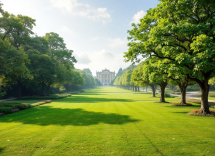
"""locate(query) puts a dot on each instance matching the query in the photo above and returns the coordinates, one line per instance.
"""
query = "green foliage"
(181, 35)
(12, 61)
(89, 80)
(212, 81)
(98, 83)
(10, 102)
(55, 96)
(119, 73)
(16, 105)
(167, 95)
(88, 71)
(6, 110)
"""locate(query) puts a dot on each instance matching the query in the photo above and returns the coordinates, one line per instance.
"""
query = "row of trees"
(148, 74)
(178, 39)
(34, 62)
(125, 81)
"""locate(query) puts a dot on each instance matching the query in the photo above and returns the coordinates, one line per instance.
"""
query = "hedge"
(6, 110)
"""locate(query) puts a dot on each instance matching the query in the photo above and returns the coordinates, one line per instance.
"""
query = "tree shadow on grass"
(85, 99)
(1, 149)
(181, 112)
(141, 93)
(90, 94)
(194, 106)
(46, 115)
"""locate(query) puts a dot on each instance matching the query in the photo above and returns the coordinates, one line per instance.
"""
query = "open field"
(107, 121)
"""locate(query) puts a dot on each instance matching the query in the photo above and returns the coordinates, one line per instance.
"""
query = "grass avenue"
(107, 121)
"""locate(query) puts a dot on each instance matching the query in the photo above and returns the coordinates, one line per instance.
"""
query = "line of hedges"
(55, 96)
(7, 107)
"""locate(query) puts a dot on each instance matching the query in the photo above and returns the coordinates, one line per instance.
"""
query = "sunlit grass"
(107, 121)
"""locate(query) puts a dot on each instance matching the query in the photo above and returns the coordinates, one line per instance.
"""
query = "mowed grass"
(107, 121)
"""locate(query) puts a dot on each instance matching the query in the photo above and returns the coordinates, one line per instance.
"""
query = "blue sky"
(95, 29)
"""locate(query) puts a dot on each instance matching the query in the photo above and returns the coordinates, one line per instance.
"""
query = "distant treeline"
(34, 65)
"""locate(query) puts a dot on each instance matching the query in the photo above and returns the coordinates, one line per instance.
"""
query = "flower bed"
(1, 114)
(198, 113)
(199, 101)
(194, 100)
(15, 110)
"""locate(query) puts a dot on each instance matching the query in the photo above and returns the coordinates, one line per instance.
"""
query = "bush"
(53, 96)
(22, 106)
(177, 90)
(10, 102)
(6, 110)
(39, 97)
(167, 95)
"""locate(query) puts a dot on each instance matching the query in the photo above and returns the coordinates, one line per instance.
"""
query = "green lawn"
(107, 121)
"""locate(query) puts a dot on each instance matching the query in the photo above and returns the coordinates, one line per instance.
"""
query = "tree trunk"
(204, 96)
(138, 88)
(58, 90)
(153, 89)
(43, 89)
(183, 93)
(66, 87)
(146, 88)
(163, 86)
(48, 91)
(133, 88)
(19, 89)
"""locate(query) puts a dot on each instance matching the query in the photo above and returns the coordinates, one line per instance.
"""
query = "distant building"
(105, 77)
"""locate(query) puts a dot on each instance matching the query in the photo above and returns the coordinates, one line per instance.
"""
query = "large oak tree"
(181, 31)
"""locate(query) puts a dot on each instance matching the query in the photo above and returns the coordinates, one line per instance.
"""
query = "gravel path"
(8, 99)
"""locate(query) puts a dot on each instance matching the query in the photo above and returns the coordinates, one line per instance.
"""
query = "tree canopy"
(38, 62)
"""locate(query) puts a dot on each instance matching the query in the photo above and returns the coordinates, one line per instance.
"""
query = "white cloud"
(117, 42)
(82, 59)
(138, 16)
(107, 54)
(94, 38)
(65, 29)
(83, 10)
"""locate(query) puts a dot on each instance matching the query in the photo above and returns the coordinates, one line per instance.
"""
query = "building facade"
(105, 77)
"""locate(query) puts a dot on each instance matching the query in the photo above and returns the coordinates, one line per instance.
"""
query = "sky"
(96, 30)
